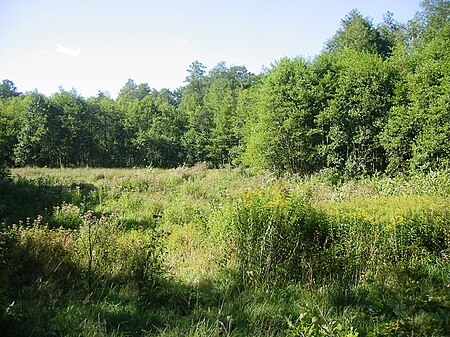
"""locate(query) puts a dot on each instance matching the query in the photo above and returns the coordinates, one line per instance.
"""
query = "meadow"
(194, 251)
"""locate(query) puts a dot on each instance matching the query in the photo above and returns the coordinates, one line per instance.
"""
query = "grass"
(200, 252)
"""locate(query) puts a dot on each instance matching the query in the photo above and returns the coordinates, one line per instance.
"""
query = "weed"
(200, 252)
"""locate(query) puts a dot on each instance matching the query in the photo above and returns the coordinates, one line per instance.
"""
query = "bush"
(373, 235)
(115, 254)
(4, 172)
(42, 253)
(67, 216)
(280, 237)
(47, 266)
(7, 240)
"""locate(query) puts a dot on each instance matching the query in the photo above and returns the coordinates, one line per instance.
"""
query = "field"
(203, 252)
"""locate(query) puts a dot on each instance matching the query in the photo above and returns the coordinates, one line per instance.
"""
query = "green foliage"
(153, 129)
(107, 128)
(429, 21)
(4, 172)
(131, 91)
(225, 87)
(370, 235)
(284, 134)
(8, 89)
(51, 266)
(314, 324)
(33, 145)
(279, 237)
(117, 255)
(67, 216)
(192, 251)
(196, 139)
(248, 108)
(12, 111)
(209, 106)
(221, 101)
(163, 254)
(375, 100)
(416, 134)
(356, 114)
(357, 33)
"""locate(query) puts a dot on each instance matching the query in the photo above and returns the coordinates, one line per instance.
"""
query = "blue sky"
(93, 45)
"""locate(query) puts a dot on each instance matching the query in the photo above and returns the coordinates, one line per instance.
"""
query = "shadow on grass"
(23, 200)
(43, 293)
(55, 305)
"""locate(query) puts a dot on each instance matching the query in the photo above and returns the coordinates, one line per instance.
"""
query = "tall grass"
(198, 252)
(367, 252)
(279, 236)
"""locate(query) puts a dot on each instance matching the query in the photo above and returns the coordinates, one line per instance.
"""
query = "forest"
(311, 199)
(375, 100)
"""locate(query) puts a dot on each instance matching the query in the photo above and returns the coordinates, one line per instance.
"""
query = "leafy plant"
(279, 236)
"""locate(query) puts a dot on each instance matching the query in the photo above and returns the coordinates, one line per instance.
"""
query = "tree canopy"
(376, 99)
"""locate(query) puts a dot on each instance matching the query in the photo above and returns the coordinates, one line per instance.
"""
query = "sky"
(97, 45)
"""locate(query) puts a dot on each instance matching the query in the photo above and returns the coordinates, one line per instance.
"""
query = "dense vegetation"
(205, 252)
(329, 215)
(375, 100)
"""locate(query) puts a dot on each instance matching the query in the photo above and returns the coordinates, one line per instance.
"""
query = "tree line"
(376, 99)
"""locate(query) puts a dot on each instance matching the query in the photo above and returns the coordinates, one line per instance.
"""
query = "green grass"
(199, 252)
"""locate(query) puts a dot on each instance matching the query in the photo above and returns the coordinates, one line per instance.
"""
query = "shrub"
(67, 216)
(4, 172)
(314, 324)
(7, 240)
(279, 236)
(42, 253)
(115, 254)
(372, 234)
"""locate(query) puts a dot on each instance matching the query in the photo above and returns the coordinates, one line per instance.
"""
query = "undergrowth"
(199, 252)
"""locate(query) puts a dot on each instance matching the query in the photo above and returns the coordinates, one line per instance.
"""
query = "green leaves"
(33, 145)
(324, 113)
(418, 131)
(357, 33)
(375, 100)
(279, 236)
(8, 89)
(356, 113)
(285, 118)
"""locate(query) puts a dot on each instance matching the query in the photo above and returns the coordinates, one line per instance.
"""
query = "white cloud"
(180, 42)
(67, 51)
